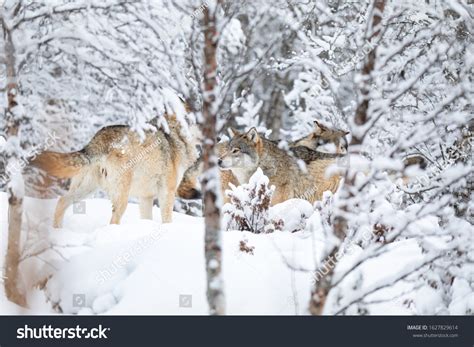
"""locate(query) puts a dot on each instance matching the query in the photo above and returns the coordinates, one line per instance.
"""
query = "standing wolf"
(307, 148)
(117, 161)
(247, 151)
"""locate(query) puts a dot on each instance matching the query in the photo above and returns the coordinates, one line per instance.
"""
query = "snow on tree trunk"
(323, 284)
(13, 288)
(210, 183)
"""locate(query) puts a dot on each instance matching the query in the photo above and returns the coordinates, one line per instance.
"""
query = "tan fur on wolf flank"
(119, 163)
(51, 161)
(246, 152)
(321, 136)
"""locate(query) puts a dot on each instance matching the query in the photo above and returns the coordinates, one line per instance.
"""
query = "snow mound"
(293, 212)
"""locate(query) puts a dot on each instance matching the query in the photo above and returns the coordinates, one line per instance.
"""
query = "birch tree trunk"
(212, 213)
(324, 284)
(13, 288)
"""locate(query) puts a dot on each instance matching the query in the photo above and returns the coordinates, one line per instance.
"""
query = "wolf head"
(325, 139)
(189, 188)
(243, 151)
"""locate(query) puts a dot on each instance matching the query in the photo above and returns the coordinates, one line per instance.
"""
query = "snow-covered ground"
(144, 267)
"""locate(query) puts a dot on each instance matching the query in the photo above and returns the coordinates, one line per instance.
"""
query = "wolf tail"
(60, 165)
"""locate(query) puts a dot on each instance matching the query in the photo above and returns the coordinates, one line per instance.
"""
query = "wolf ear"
(319, 128)
(252, 135)
(232, 132)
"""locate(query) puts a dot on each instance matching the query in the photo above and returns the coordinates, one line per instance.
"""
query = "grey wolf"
(323, 139)
(118, 161)
(246, 152)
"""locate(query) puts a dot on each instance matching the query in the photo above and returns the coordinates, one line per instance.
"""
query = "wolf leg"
(146, 207)
(118, 208)
(166, 196)
(81, 186)
(166, 199)
(119, 197)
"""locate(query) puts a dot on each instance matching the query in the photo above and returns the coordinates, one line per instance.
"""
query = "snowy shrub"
(249, 206)
(294, 214)
(325, 207)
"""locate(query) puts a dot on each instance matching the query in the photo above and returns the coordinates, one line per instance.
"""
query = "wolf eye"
(235, 150)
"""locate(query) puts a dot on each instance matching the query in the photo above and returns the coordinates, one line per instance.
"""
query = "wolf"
(323, 139)
(189, 186)
(122, 164)
(227, 177)
(310, 149)
(246, 152)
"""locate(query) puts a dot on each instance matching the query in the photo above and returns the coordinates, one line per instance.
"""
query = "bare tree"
(13, 287)
(212, 210)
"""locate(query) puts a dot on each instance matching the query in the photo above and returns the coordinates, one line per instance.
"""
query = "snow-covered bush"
(294, 213)
(249, 206)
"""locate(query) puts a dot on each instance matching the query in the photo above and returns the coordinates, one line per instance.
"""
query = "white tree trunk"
(212, 213)
(12, 282)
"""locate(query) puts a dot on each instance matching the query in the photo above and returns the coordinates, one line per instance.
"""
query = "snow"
(277, 71)
(428, 301)
(233, 37)
(105, 264)
(463, 296)
(143, 266)
(293, 212)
